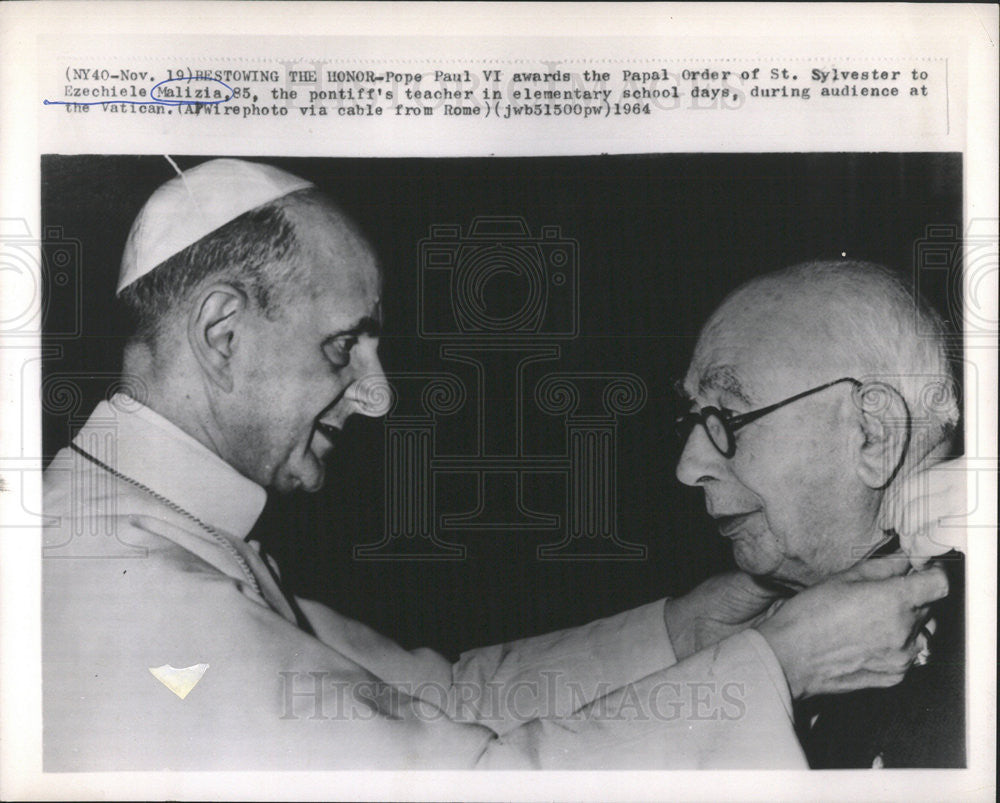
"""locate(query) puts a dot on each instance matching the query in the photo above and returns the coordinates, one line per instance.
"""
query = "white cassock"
(132, 584)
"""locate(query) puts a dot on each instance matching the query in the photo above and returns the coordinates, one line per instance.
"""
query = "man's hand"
(716, 609)
(856, 630)
(918, 506)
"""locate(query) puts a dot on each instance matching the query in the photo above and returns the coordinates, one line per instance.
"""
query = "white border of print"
(33, 35)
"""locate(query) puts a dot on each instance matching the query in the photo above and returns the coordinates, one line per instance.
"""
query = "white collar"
(158, 454)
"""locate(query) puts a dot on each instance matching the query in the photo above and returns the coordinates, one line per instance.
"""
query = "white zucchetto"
(196, 203)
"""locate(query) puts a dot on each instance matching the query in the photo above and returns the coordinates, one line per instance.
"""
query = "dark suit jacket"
(918, 723)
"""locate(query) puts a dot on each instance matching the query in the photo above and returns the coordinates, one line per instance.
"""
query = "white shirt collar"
(151, 450)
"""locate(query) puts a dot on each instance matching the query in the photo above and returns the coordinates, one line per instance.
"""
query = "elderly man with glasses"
(814, 395)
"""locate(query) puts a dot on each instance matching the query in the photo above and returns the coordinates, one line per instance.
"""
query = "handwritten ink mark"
(168, 101)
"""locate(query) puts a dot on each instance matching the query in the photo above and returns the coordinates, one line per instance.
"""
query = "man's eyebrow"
(368, 325)
(724, 379)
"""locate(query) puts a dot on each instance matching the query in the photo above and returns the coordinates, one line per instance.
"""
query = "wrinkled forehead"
(758, 346)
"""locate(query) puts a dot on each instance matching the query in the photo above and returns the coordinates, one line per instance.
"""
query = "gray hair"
(893, 336)
(258, 252)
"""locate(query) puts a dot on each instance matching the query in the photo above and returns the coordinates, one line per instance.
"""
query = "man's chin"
(767, 569)
(308, 478)
(750, 560)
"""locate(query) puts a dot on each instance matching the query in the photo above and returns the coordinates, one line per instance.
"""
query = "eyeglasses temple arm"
(738, 421)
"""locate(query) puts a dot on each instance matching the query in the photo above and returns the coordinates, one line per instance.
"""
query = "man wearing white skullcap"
(169, 643)
(195, 204)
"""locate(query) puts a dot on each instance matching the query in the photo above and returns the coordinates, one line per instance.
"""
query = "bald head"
(821, 320)
(331, 244)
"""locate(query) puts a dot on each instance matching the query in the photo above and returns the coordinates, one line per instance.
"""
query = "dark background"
(662, 239)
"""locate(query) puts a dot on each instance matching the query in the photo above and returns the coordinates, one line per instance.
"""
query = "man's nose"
(370, 393)
(700, 461)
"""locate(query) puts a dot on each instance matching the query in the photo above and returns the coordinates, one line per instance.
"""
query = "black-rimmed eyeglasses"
(722, 429)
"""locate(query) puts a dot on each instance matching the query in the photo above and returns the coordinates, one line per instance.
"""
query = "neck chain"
(225, 542)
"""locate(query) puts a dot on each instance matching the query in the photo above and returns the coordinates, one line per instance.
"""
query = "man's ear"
(212, 329)
(884, 418)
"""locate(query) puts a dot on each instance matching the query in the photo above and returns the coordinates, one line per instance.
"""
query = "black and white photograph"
(498, 401)
(391, 463)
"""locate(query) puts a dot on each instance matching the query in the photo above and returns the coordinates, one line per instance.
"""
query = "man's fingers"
(920, 551)
(926, 586)
(923, 626)
(924, 510)
(743, 589)
(864, 679)
(892, 565)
